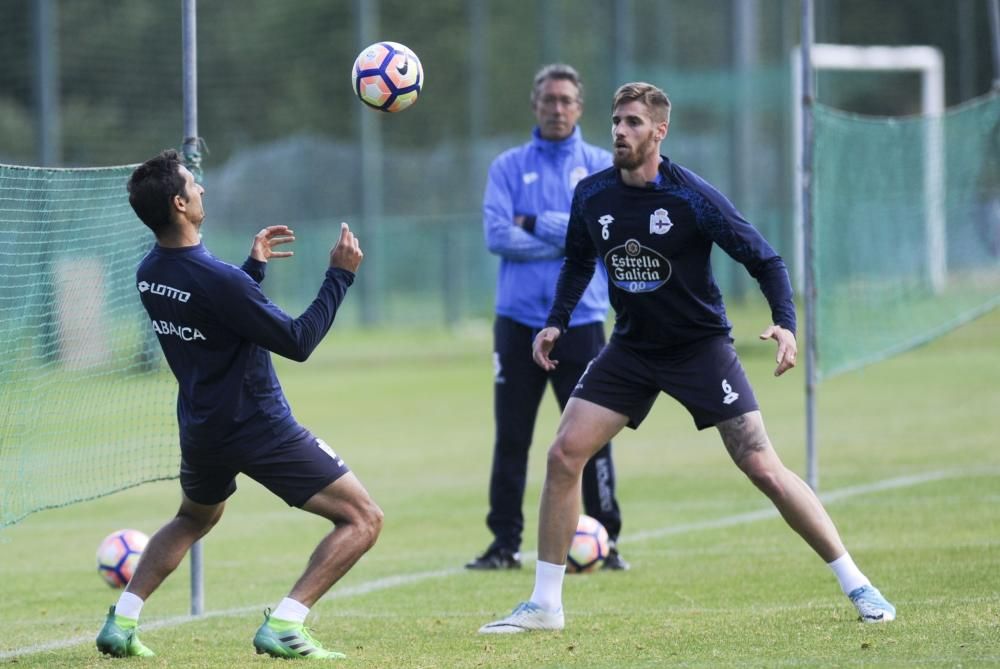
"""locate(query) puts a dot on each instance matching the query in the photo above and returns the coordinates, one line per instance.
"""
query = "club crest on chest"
(659, 222)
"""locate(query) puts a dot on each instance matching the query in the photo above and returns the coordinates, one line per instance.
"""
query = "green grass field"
(909, 465)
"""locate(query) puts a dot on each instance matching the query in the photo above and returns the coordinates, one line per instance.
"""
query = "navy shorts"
(706, 377)
(294, 470)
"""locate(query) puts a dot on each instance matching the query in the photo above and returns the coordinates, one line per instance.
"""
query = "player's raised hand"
(544, 341)
(787, 347)
(269, 237)
(346, 254)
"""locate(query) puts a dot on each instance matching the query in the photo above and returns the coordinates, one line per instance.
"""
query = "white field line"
(771, 512)
(408, 579)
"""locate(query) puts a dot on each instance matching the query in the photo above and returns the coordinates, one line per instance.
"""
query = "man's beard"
(635, 158)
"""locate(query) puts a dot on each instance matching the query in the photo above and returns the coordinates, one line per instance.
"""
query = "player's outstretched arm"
(545, 340)
(346, 253)
(787, 348)
(259, 320)
(264, 242)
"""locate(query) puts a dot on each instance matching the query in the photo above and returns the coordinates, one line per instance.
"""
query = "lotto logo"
(165, 291)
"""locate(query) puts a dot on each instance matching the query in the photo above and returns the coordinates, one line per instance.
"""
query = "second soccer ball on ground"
(118, 555)
(589, 547)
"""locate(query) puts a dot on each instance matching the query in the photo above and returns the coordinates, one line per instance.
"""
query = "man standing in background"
(525, 214)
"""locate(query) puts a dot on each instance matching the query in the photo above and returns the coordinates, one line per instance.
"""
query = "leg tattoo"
(743, 436)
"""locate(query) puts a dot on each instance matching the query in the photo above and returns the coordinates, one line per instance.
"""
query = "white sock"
(848, 574)
(548, 585)
(129, 606)
(291, 611)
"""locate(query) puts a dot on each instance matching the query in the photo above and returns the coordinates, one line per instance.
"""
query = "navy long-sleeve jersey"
(216, 328)
(655, 243)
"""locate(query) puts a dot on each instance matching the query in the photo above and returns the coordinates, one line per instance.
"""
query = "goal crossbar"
(929, 63)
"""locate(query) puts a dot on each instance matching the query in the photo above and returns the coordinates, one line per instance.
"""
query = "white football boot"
(526, 617)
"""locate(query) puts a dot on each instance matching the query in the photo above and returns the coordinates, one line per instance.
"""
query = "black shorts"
(294, 470)
(706, 377)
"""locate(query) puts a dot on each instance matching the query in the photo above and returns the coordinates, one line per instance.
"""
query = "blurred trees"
(270, 69)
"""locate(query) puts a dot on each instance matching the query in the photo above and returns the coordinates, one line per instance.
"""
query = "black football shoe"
(614, 561)
(496, 557)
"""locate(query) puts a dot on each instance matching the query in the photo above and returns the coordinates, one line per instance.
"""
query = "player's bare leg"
(357, 523)
(585, 427)
(165, 550)
(750, 448)
(171, 543)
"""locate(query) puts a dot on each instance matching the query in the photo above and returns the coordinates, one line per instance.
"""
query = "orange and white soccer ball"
(118, 555)
(387, 76)
(589, 547)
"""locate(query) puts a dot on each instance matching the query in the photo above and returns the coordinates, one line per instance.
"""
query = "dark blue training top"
(216, 328)
(655, 243)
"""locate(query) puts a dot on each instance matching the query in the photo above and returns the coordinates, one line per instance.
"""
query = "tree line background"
(98, 82)
(270, 69)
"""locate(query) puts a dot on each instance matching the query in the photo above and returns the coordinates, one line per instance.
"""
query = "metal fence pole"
(995, 40)
(48, 126)
(370, 130)
(189, 45)
(809, 269)
(193, 160)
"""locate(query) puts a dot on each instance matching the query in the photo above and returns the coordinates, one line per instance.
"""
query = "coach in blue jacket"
(525, 213)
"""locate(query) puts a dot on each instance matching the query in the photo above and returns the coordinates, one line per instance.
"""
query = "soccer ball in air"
(387, 76)
(118, 555)
(589, 547)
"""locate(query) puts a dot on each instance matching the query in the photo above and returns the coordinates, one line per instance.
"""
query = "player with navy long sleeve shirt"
(652, 224)
(654, 243)
(217, 330)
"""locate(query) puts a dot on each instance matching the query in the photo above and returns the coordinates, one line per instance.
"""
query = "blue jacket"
(538, 179)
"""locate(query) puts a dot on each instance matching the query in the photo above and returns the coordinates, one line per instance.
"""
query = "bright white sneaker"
(871, 605)
(526, 617)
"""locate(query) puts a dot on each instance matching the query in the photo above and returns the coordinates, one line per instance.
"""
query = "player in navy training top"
(652, 224)
(216, 329)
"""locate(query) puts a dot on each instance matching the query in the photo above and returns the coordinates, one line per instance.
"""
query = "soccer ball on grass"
(589, 547)
(387, 76)
(118, 555)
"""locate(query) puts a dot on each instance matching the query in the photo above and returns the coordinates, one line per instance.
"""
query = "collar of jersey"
(561, 145)
(180, 249)
(662, 179)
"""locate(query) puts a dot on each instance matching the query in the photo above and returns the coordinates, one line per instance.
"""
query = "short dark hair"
(152, 187)
(557, 71)
(652, 97)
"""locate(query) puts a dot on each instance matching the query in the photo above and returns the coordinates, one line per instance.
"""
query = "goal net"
(86, 407)
(880, 291)
(906, 214)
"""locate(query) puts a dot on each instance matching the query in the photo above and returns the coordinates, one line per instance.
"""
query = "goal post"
(897, 235)
(807, 59)
(929, 63)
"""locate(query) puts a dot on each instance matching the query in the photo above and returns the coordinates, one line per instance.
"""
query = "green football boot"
(120, 638)
(280, 638)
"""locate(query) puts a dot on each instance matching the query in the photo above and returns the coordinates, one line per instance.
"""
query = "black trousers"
(518, 387)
